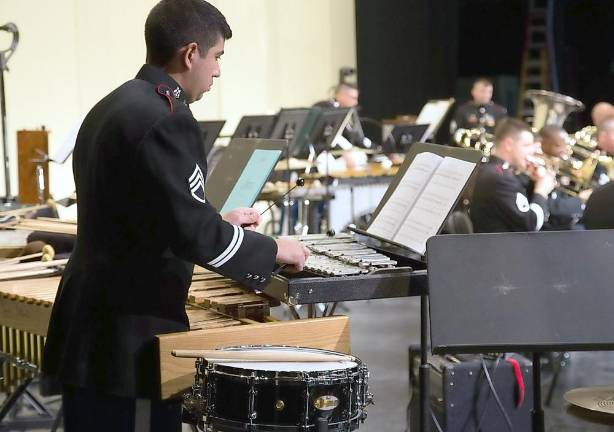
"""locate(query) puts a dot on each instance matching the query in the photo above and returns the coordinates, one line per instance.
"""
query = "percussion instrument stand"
(22, 391)
(5, 55)
(425, 368)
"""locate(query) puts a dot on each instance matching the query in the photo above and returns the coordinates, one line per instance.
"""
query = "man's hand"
(291, 253)
(248, 218)
(545, 180)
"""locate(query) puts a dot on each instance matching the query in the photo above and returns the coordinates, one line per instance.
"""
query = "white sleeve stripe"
(232, 243)
(196, 180)
(234, 250)
(539, 212)
(195, 173)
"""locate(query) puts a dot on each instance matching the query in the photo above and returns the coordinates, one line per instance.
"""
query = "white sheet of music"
(434, 204)
(400, 203)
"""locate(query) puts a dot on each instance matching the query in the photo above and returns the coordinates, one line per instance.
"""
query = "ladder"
(534, 70)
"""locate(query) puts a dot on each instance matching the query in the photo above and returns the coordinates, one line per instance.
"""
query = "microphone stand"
(5, 55)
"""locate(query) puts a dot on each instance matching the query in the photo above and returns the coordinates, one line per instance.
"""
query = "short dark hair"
(172, 24)
(509, 127)
(345, 85)
(482, 80)
(550, 132)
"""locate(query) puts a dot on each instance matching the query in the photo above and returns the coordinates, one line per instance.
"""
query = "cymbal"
(598, 398)
(589, 416)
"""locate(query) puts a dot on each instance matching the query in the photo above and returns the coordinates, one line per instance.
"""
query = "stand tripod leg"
(556, 370)
(537, 413)
(58, 419)
(424, 376)
(36, 404)
(13, 398)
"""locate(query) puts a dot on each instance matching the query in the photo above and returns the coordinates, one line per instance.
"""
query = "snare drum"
(281, 396)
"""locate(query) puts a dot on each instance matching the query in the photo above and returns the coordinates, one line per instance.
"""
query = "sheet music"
(434, 204)
(253, 177)
(432, 113)
(400, 203)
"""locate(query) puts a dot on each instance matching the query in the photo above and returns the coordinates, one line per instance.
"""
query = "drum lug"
(252, 414)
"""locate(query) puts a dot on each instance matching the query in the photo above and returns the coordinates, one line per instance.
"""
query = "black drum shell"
(230, 388)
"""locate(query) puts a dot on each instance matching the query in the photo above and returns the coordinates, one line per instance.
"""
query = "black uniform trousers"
(93, 411)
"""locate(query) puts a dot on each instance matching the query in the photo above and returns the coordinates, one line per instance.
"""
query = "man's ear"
(506, 143)
(188, 53)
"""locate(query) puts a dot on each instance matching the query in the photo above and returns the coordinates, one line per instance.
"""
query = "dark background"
(410, 51)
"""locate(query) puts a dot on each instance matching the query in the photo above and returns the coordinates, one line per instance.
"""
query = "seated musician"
(345, 96)
(565, 210)
(480, 111)
(599, 212)
(601, 111)
(605, 143)
(139, 168)
(504, 199)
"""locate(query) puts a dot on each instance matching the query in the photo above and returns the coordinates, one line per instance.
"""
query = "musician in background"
(346, 96)
(601, 111)
(565, 210)
(605, 143)
(139, 168)
(503, 199)
(599, 213)
(481, 111)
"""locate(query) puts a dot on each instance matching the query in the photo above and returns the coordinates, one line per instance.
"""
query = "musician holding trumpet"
(504, 199)
(140, 168)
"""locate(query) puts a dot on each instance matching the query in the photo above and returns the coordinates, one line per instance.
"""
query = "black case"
(460, 393)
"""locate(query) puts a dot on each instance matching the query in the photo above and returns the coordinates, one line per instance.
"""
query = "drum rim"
(308, 377)
(219, 367)
(222, 421)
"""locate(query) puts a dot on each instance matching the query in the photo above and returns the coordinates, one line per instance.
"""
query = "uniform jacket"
(599, 213)
(471, 115)
(139, 167)
(502, 201)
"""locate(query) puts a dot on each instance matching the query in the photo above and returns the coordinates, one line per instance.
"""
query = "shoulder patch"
(522, 203)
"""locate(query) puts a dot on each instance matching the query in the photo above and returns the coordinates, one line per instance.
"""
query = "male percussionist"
(139, 168)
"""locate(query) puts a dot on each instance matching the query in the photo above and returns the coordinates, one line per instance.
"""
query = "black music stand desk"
(528, 292)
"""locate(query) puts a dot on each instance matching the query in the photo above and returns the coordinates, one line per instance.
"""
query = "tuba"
(550, 108)
(574, 172)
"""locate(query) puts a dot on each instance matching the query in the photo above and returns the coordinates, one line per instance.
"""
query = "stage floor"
(382, 331)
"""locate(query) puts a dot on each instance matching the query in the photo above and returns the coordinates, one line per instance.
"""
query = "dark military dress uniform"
(502, 200)
(599, 213)
(565, 211)
(471, 115)
(139, 167)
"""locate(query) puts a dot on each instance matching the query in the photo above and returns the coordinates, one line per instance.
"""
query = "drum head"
(290, 366)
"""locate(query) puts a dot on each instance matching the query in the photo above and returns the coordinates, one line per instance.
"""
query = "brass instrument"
(476, 138)
(574, 171)
(550, 108)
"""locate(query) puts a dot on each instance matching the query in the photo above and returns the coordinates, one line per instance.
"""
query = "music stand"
(330, 127)
(521, 292)
(210, 130)
(258, 126)
(294, 125)
(406, 135)
(240, 174)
